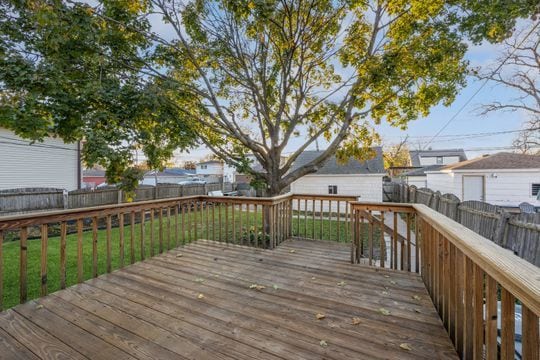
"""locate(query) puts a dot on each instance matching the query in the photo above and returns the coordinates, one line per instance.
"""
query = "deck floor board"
(195, 302)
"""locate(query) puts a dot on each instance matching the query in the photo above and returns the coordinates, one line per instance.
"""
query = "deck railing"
(44, 252)
(467, 276)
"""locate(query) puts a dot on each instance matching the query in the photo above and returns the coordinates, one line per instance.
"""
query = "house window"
(204, 166)
(332, 189)
(439, 160)
(535, 188)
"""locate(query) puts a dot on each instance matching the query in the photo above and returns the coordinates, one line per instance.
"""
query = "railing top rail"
(387, 206)
(515, 274)
(326, 197)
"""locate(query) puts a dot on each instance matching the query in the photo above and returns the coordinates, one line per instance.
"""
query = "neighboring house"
(93, 177)
(504, 179)
(51, 163)
(421, 158)
(167, 176)
(363, 179)
(418, 177)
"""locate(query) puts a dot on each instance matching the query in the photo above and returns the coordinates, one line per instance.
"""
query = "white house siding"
(502, 187)
(367, 187)
(210, 169)
(52, 163)
(432, 160)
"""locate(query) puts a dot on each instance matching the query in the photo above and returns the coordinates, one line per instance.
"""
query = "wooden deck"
(201, 302)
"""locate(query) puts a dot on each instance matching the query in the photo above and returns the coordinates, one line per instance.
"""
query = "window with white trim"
(332, 189)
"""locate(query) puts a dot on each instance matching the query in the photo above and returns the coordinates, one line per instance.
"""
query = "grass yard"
(244, 223)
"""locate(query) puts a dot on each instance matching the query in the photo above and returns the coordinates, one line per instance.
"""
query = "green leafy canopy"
(244, 77)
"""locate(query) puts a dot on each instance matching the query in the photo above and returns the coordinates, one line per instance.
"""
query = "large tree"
(518, 69)
(245, 76)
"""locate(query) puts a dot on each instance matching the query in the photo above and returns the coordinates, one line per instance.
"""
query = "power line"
(482, 86)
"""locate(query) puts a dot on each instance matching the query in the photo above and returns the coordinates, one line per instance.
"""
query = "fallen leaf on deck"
(313, 278)
(386, 276)
(417, 311)
(385, 293)
(179, 255)
(199, 280)
(416, 297)
(201, 296)
(405, 346)
(323, 343)
(257, 287)
(341, 283)
(383, 311)
(392, 282)
(292, 251)
(275, 287)
(39, 306)
(320, 316)
(356, 321)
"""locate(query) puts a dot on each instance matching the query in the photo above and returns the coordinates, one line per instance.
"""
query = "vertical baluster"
(183, 211)
(189, 220)
(176, 226)
(370, 238)
(23, 265)
(408, 251)
(44, 247)
(529, 330)
(305, 218)
(394, 243)
(313, 218)
(226, 222)
(132, 237)
(195, 219)
(79, 250)
(63, 235)
(508, 325)
(329, 219)
(143, 221)
(297, 217)
(220, 220)
(446, 281)
(207, 221)
(460, 309)
(478, 306)
(152, 232)
(417, 244)
(321, 220)
(168, 247)
(453, 294)
(491, 319)
(258, 242)
(338, 237)
(108, 243)
(469, 309)
(214, 221)
(440, 273)
(1, 270)
(271, 224)
(240, 216)
(160, 234)
(383, 242)
(121, 239)
(95, 247)
(234, 223)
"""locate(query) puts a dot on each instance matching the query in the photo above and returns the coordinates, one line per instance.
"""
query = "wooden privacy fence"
(467, 276)
(85, 242)
(517, 232)
(42, 199)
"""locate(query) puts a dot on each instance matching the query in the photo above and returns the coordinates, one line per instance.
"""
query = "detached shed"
(503, 179)
(364, 179)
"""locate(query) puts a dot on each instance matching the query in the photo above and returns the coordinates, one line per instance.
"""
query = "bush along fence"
(17, 201)
(519, 233)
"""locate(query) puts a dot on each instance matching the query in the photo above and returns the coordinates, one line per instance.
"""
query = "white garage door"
(473, 188)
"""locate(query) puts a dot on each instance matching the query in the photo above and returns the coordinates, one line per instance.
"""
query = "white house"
(421, 158)
(430, 160)
(504, 179)
(51, 163)
(363, 179)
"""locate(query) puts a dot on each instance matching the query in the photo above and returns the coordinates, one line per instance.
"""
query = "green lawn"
(244, 223)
